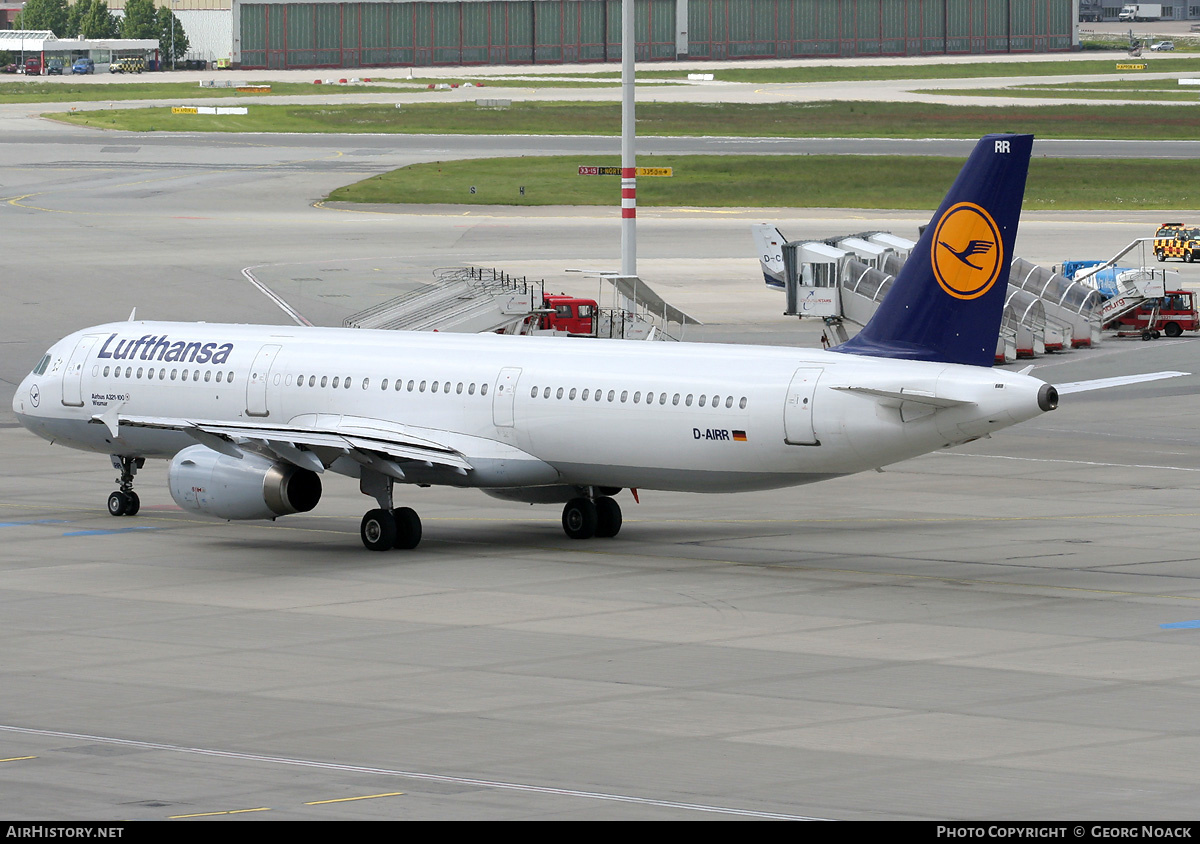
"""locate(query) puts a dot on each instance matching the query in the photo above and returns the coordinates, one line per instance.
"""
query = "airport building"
(284, 34)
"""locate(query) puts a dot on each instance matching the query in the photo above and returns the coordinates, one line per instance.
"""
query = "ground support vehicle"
(1140, 12)
(1177, 240)
(127, 65)
(560, 312)
(1171, 314)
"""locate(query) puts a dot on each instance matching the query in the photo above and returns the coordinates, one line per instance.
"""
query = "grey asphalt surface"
(973, 634)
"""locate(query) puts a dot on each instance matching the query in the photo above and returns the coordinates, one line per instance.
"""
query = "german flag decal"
(739, 436)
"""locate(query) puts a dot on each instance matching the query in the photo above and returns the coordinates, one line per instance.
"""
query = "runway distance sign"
(616, 171)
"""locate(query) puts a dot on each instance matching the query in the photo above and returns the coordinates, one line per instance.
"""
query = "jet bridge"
(813, 287)
(1030, 317)
(1067, 302)
(845, 278)
(863, 288)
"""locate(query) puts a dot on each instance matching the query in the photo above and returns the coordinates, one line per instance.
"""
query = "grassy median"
(901, 182)
(782, 120)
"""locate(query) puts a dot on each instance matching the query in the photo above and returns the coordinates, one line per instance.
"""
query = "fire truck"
(1170, 314)
(1177, 240)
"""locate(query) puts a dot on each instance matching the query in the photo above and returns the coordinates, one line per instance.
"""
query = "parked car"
(83, 66)
(54, 67)
(1162, 46)
(33, 66)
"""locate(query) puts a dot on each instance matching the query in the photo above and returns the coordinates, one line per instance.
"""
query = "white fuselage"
(680, 416)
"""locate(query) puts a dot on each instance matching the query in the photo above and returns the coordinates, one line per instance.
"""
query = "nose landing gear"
(125, 502)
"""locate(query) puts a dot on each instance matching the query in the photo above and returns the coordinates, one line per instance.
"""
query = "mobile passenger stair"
(472, 300)
(463, 300)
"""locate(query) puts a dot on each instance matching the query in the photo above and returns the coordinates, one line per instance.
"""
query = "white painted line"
(296, 316)
(414, 775)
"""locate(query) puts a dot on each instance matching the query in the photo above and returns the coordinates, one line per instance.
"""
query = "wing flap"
(293, 443)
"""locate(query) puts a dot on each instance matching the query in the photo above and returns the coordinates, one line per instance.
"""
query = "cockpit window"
(40, 369)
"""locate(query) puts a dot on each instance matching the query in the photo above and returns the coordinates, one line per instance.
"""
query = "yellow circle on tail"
(967, 251)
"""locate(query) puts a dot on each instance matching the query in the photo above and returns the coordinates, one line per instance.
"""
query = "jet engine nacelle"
(204, 481)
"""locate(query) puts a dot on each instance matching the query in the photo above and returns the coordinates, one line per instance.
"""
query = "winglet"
(132, 315)
(947, 301)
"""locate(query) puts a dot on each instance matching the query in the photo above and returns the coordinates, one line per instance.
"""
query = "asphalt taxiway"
(1007, 630)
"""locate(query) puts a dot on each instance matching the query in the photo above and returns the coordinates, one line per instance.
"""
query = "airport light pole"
(628, 156)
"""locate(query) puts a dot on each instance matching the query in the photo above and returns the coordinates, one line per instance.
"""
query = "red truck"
(1171, 314)
(560, 312)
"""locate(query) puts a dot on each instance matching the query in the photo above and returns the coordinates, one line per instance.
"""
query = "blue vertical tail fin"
(947, 301)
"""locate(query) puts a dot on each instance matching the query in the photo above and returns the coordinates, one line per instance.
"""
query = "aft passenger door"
(798, 408)
(256, 384)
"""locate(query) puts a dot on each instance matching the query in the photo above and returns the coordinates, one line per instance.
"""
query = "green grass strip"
(784, 120)
(810, 181)
(886, 72)
(185, 92)
(28, 91)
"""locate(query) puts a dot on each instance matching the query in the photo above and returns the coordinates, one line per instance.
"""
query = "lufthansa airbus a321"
(251, 416)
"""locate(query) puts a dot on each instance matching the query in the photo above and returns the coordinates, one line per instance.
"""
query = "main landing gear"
(125, 502)
(386, 527)
(584, 518)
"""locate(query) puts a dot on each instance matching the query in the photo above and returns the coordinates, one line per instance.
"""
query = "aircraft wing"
(316, 441)
(1118, 381)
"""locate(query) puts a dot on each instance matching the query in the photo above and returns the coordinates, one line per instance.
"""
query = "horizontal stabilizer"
(902, 395)
(1118, 381)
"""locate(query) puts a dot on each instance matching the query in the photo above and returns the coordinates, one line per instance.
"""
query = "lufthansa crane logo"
(967, 251)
